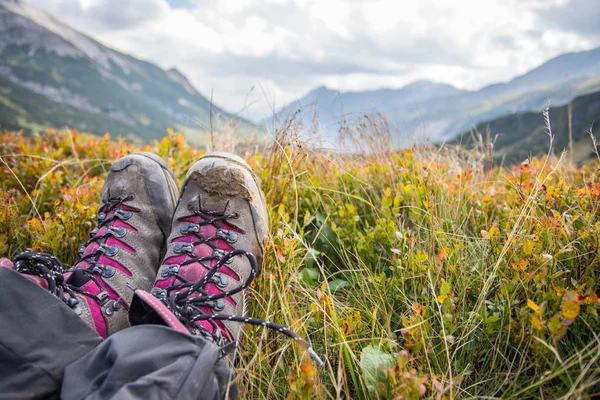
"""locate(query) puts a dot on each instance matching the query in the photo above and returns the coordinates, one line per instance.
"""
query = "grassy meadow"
(424, 273)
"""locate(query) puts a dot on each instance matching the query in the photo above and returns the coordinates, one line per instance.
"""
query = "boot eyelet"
(109, 272)
(218, 253)
(219, 305)
(183, 248)
(169, 270)
(220, 280)
(102, 298)
(160, 294)
(187, 228)
(93, 232)
(109, 251)
(97, 268)
(118, 232)
(235, 215)
(101, 216)
(223, 281)
(111, 307)
(232, 237)
(123, 215)
(112, 251)
(229, 236)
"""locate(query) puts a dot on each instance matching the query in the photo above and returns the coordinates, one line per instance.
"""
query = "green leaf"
(337, 284)
(578, 224)
(554, 324)
(528, 248)
(445, 290)
(374, 363)
(556, 328)
(309, 276)
(386, 202)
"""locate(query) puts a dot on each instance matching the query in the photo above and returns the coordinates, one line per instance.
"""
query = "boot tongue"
(214, 203)
(218, 206)
(78, 278)
(145, 308)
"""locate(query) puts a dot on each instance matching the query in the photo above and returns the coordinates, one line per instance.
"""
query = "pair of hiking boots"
(160, 256)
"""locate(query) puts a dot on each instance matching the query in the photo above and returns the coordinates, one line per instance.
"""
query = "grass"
(421, 273)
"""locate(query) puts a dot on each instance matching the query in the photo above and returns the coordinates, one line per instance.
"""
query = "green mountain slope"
(51, 75)
(520, 135)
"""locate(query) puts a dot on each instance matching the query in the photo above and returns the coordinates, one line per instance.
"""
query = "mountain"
(441, 112)
(54, 76)
(367, 101)
(330, 108)
(520, 135)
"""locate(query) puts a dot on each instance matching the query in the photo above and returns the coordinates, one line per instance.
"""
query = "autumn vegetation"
(424, 273)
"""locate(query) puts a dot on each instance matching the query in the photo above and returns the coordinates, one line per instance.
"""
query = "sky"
(255, 56)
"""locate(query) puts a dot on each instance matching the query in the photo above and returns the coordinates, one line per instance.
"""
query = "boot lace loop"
(48, 267)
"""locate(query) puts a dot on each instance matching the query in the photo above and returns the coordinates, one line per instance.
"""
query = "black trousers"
(48, 352)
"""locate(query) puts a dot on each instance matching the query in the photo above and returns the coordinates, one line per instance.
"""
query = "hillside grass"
(421, 273)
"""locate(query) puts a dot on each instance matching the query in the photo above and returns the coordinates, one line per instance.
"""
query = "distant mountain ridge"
(332, 107)
(518, 136)
(441, 112)
(52, 75)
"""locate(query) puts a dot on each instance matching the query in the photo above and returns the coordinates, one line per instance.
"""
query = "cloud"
(505, 41)
(104, 15)
(112, 14)
(278, 67)
(577, 16)
(285, 48)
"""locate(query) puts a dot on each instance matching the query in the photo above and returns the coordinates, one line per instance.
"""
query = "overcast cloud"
(266, 53)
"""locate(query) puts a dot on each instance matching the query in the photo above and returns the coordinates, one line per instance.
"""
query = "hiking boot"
(124, 250)
(215, 247)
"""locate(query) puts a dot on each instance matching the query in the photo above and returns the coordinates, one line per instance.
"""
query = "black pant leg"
(39, 337)
(47, 351)
(148, 362)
